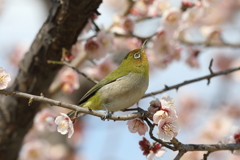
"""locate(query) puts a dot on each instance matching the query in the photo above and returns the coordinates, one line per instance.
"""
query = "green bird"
(121, 88)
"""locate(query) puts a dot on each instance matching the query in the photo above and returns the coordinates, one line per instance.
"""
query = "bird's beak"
(144, 45)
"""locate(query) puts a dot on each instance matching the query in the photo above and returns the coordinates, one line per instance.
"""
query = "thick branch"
(65, 21)
(207, 77)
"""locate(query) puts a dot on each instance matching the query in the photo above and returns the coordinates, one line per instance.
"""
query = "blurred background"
(206, 112)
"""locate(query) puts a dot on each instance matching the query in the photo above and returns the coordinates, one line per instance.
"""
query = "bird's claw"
(108, 114)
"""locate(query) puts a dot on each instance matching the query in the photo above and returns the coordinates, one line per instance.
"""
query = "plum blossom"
(34, 150)
(171, 18)
(140, 8)
(70, 81)
(102, 70)
(192, 57)
(4, 78)
(167, 128)
(106, 39)
(65, 125)
(155, 106)
(44, 119)
(158, 7)
(133, 43)
(94, 49)
(137, 125)
(127, 23)
(233, 138)
(151, 151)
(164, 113)
(164, 49)
(165, 105)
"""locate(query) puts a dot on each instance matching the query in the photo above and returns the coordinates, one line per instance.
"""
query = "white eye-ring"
(137, 55)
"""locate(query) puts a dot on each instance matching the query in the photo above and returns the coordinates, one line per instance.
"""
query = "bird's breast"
(124, 92)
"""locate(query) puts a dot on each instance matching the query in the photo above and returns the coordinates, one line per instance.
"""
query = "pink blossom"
(164, 49)
(137, 125)
(133, 43)
(58, 152)
(4, 78)
(127, 23)
(106, 39)
(155, 106)
(212, 34)
(167, 128)
(153, 155)
(192, 58)
(34, 150)
(162, 108)
(70, 80)
(140, 8)
(102, 70)
(171, 18)
(44, 119)
(151, 151)
(158, 7)
(168, 99)
(65, 125)
(95, 49)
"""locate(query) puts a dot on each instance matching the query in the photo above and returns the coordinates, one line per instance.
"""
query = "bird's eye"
(137, 55)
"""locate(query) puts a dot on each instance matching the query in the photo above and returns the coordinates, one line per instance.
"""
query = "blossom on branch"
(171, 18)
(106, 39)
(70, 81)
(151, 151)
(168, 128)
(65, 125)
(94, 49)
(4, 78)
(233, 138)
(137, 125)
(34, 150)
(44, 120)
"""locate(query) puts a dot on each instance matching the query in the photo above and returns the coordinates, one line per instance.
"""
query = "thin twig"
(75, 69)
(97, 29)
(205, 156)
(207, 77)
(72, 107)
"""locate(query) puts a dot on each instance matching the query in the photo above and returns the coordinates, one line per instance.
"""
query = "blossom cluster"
(165, 117)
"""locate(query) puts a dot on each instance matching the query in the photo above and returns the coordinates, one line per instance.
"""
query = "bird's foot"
(108, 114)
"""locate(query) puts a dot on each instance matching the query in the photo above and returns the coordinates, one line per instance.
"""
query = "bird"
(121, 88)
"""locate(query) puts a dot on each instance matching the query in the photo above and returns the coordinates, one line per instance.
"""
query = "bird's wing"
(113, 76)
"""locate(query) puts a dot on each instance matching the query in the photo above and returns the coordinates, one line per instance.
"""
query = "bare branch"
(75, 69)
(73, 107)
(180, 154)
(207, 77)
(205, 156)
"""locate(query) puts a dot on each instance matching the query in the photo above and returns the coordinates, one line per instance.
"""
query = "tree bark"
(65, 21)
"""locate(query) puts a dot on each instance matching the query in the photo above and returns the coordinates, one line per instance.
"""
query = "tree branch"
(64, 23)
(207, 77)
(33, 98)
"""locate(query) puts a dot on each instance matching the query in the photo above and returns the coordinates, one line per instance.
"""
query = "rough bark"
(65, 21)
